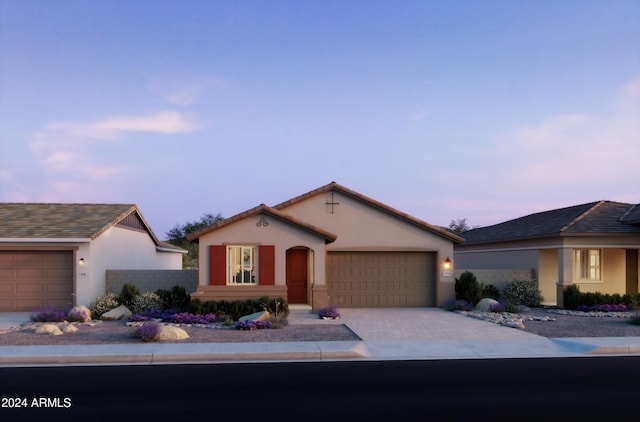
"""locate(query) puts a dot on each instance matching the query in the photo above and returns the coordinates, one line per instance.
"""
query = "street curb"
(180, 353)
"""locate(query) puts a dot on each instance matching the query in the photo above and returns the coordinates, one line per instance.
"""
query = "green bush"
(177, 298)
(468, 289)
(145, 302)
(571, 297)
(491, 291)
(103, 304)
(523, 292)
(128, 292)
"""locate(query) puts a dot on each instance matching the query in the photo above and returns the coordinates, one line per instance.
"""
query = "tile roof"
(63, 221)
(602, 217)
(333, 186)
(264, 209)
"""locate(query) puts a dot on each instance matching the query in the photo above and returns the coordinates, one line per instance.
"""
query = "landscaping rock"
(50, 329)
(116, 314)
(485, 304)
(79, 313)
(170, 332)
(258, 316)
(69, 329)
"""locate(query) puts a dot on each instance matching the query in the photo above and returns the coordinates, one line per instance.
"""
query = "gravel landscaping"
(543, 322)
(117, 332)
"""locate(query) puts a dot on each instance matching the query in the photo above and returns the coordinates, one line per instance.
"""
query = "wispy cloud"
(67, 151)
(163, 122)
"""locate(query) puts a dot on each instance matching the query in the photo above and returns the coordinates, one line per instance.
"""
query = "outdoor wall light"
(81, 261)
(447, 263)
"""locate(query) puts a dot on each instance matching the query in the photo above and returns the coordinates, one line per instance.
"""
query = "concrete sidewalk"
(387, 334)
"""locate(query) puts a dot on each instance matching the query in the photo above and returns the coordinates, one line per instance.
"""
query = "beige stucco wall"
(548, 275)
(278, 233)
(361, 227)
(117, 248)
(613, 274)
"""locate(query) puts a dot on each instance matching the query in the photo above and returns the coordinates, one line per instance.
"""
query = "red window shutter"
(218, 265)
(267, 265)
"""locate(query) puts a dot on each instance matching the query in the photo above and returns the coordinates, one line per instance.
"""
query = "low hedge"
(574, 298)
(238, 308)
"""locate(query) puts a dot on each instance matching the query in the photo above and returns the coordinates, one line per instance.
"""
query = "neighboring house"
(57, 254)
(329, 246)
(593, 245)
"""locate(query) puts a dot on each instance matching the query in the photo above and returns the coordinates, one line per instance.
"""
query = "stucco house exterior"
(331, 245)
(57, 254)
(593, 245)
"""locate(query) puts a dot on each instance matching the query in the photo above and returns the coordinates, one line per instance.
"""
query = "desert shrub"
(177, 298)
(127, 294)
(523, 292)
(457, 305)
(103, 304)
(491, 291)
(48, 314)
(145, 302)
(277, 307)
(148, 331)
(468, 289)
(635, 320)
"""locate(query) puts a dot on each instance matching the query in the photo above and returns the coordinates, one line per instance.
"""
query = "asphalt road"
(594, 388)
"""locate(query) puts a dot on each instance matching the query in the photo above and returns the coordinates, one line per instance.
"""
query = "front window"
(588, 264)
(241, 264)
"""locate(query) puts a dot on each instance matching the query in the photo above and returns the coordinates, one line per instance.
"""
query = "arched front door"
(297, 273)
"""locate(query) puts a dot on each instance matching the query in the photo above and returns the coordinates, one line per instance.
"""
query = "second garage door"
(35, 279)
(381, 279)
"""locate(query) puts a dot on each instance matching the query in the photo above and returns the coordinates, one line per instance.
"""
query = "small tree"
(177, 236)
(468, 288)
(460, 225)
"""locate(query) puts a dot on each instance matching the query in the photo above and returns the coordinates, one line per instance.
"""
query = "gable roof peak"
(334, 186)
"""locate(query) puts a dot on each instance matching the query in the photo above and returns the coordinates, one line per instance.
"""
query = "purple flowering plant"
(173, 317)
(603, 308)
(454, 304)
(149, 331)
(252, 325)
(329, 312)
(48, 314)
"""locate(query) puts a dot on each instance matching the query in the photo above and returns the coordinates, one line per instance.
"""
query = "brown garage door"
(381, 279)
(33, 279)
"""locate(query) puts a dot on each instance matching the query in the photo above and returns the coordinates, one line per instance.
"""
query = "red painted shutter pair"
(218, 265)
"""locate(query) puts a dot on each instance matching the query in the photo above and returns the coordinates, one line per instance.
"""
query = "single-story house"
(57, 254)
(331, 245)
(594, 246)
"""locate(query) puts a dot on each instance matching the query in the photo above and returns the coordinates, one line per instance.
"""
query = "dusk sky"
(485, 110)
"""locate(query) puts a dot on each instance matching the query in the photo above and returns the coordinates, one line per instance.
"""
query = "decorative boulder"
(116, 314)
(50, 329)
(170, 332)
(79, 313)
(69, 329)
(485, 304)
(258, 316)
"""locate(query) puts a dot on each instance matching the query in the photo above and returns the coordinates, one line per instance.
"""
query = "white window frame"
(588, 265)
(242, 265)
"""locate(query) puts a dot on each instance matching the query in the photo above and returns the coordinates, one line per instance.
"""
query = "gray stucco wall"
(499, 277)
(151, 280)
